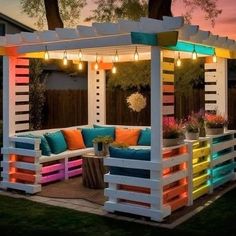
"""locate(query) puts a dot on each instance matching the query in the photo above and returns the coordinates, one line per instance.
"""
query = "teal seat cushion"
(56, 141)
(133, 154)
(44, 147)
(89, 134)
(145, 137)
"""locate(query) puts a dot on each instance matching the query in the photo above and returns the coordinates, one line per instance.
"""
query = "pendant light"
(194, 54)
(65, 60)
(136, 55)
(178, 62)
(46, 54)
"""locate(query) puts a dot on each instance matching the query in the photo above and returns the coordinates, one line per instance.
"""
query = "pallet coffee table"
(93, 171)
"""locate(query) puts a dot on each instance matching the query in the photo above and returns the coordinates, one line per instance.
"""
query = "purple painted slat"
(75, 163)
(51, 168)
(72, 173)
(50, 178)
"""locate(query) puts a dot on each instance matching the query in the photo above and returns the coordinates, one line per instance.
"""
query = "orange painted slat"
(102, 66)
(22, 71)
(22, 80)
(22, 62)
(168, 88)
(168, 99)
(178, 203)
(24, 176)
(175, 191)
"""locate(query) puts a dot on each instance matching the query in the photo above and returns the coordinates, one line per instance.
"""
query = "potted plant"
(173, 133)
(215, 124)
(101, 145)
(192, 127)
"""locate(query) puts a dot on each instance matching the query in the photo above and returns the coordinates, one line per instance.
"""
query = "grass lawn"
(23, 217)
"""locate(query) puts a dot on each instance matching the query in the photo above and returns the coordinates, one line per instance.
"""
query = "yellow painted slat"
(200, 180)
(168, 77)
(34, 55)
(168, 66)
(200, 152)
(201, 166)
(225, 53)
(201, 191)
(2, 51)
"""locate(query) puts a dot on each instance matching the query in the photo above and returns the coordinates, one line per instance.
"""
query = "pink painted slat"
(51, 168)
(75, 163)
(22, 71)
(72, 173)
(22, 80)
(22, 61)
(169, 99)
(51, 178)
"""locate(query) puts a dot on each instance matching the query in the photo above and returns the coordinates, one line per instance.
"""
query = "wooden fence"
(68, 108)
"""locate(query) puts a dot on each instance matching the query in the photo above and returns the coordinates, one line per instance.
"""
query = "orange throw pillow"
(74, 139)
(127, 136)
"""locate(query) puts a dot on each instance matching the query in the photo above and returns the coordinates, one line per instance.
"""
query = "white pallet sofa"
(27, 170)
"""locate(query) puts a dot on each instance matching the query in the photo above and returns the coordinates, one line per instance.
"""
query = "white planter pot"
(101, 149)
(172, 142)
(214, 131)
(192, 136)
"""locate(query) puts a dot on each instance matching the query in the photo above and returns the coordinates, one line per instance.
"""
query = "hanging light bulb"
(136, 55)
(194, 54)
(65, 60)
(116, 57)
(178, 62)
(46, 54)
(80, 55)
(114, 69)
(96, 66)
(214, 57)
(80, 65)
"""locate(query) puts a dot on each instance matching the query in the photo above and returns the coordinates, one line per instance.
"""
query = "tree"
(112, 10)
(55, 12)
(160, 8)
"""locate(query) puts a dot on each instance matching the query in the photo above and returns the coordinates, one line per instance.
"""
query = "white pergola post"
(96, 96)
(8, 99)
(216, 79)
(156, 127)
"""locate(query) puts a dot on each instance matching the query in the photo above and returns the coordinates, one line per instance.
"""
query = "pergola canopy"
(104, 39)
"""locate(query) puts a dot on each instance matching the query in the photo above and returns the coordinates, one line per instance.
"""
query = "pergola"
(154, 40)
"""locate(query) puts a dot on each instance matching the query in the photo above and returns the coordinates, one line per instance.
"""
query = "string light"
(65, 60)
(96, 66)
(46, 54)
(178, 62)
(194, 54)
(116, 57)
(214, 57)
(136, 55)
(80, 65)
(114, 69)
(80, 55)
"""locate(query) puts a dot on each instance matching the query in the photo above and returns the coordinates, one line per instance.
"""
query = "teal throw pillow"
(56, 142)
(145, 137)
(44, 147)
(89, 134)
(133, 154)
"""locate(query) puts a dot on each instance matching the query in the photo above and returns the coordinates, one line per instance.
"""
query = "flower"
(215, 121)
(172, 129)
(192, 124)
(136, 102)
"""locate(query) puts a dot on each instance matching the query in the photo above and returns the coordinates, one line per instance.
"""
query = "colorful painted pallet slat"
(201, 191)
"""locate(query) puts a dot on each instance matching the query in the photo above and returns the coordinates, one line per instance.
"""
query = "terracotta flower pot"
(214, 131)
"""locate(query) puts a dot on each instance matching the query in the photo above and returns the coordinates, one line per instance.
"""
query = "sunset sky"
(225, 23)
